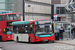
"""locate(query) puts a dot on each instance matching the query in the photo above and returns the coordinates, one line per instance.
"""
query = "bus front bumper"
(40, 39)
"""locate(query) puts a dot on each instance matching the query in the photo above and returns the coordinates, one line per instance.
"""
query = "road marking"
(66, 45)
(40, 46)
(58, 47)
(0, 49)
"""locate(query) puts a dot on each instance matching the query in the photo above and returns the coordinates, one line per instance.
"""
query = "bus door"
(9, 33)
(4, 34)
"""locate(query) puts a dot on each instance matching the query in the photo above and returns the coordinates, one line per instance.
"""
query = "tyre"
(47, 41)
(17, 40)
(0, 38)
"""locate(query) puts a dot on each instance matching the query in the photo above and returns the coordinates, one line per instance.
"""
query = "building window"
(7, 6)
(60, 10)
(63, 19)
(59, 18)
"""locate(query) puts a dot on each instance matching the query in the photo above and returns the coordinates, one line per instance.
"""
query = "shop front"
(66, 26)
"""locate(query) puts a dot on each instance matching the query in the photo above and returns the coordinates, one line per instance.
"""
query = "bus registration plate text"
(45, 40)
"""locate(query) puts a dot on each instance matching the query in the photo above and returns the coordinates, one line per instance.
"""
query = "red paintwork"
(39, 39)
(3, 24)
(32, 37)
(10, 37)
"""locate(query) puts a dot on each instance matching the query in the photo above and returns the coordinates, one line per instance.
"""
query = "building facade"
(41, 9)
(7, 6)
(59, 1)
(59, 9)
(34, 9)
(61, 12)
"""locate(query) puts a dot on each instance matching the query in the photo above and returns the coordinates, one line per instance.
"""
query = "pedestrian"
(61, 30)
(71, 33)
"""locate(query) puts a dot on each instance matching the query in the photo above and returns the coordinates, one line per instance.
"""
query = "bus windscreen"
(44, 27)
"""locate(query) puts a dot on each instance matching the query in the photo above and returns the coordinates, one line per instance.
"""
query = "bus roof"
(20, 22)
(43, 19)
(10, 13)
(27, 22)
(2, 14)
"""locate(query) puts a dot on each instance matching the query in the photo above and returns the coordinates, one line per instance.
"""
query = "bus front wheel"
(0, 38)
(47, 41)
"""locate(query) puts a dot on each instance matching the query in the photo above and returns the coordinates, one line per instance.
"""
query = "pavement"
(69, 42)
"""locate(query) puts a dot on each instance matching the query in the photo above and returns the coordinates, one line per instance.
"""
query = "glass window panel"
(57, 10)
(2, 0)
(9, 7)
(44, 28)
(9, 23)
(62, 10)
(9, 30)
(68, 26)
(13, 17)
(15, 29)
(63, 19)
(58, 25)
(9, 1)
(2, 6)
(1, 10)
(23, 29)
(68, 34)
(65, 34)
(65, 26)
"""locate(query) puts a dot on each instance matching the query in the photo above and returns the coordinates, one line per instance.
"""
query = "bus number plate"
(45, 40)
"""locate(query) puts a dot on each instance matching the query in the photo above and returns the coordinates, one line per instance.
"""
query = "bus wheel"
(29, 40)
(47, 41)
(17, 39)
(0, 38)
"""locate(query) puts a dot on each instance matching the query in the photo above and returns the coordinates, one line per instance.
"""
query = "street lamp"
(32, 11)
(23, 11)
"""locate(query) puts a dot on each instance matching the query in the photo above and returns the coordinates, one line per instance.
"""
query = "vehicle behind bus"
(6, 25)
(34, 31)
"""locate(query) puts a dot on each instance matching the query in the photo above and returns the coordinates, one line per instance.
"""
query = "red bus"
(6, 25)
(34, 31)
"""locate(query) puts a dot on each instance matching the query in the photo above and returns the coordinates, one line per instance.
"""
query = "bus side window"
(15, 29)
(32, 29)
(29, 29)
(21, 29)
